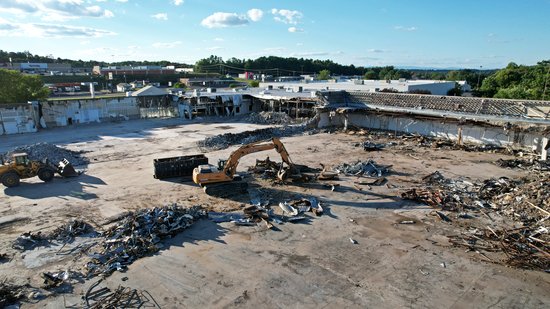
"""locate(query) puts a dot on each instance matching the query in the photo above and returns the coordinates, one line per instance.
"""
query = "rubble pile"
(122, 297)
(223, 141)
(521, 247)
(269, 118)
(42, 151)
(139, 234)
(532, 165)
(444, 193)
(442, 143)
(362, 168)
(523, 241)
(64, 234)
(69, 231)
(10, 293)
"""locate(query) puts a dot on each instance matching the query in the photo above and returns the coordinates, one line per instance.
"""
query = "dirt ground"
(311, 264)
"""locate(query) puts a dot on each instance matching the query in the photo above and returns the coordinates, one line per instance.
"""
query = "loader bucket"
(66, 169)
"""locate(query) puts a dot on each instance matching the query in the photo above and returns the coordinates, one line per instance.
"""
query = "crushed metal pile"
(362, 168)
(269, 118)
(525, 238)
(443, 143)
(532, 165)
(53, 153)
(63, 234)
(261, 212)
(139, 234)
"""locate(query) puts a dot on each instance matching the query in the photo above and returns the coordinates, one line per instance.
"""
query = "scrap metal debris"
(10, 293)
(69, 231)
(362, 168)
(523, 247)
(121, 297)
(139, 234)
(520, 239)
(65, 234)
(371, 146)
(56, 279)
(531, 164)
(29, 241)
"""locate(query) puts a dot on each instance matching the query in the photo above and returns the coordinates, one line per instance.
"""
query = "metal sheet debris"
(362, 168)
(122, 297)
(138, 234)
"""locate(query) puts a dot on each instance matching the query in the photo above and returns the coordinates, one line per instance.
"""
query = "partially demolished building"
(518, 123)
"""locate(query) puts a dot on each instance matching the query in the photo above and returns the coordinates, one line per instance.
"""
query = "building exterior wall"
(435, 88)
(442, 128)
(20, 118)
(62, 113)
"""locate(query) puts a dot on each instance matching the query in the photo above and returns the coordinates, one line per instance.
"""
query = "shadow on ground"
(58, 187)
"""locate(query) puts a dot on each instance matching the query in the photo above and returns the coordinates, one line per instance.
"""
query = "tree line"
(512, 82)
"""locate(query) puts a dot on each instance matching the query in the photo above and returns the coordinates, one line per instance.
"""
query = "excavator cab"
(221, 164)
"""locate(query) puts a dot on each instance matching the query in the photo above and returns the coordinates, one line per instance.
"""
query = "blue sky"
(424, 33)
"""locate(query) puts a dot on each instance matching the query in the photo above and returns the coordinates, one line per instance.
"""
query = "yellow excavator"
(221, 180)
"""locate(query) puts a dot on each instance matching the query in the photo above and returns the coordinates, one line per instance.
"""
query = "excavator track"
(225, 189)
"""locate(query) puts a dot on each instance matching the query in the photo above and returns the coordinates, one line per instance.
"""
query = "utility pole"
(479, 76)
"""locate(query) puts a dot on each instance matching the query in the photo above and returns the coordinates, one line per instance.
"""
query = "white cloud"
(160, 16)
(294, 29)
(31, 30)
(122, 1)
(54, 10)
(222, 20)
(255, 14)
(374, 50)
(213, 48)
(401, 28)
(166, 45)
(177, 2)
(219, 39)
(310, 54)
(287, 16)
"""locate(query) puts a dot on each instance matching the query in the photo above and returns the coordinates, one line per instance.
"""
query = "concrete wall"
(62, 113)
(448, 129)
(17, 119)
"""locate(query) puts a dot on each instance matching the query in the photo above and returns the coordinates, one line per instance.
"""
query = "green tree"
(208, 65)
(19, 88)
(371, 74)
(323, 75)
(254, 83)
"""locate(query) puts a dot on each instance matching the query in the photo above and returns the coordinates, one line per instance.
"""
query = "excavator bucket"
(66, 169)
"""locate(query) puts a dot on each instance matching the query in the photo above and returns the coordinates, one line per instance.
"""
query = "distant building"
(123, 87)
(38, 68)
(206, 82)
(132, 70)
(184, 70)
(435, 87)
(247, 75)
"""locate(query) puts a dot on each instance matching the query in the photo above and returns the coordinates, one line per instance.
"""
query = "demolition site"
(277, 198)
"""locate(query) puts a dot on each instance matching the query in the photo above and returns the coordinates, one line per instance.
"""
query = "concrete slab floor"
(311, 264)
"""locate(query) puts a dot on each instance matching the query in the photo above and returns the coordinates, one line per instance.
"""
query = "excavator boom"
(208, 175)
